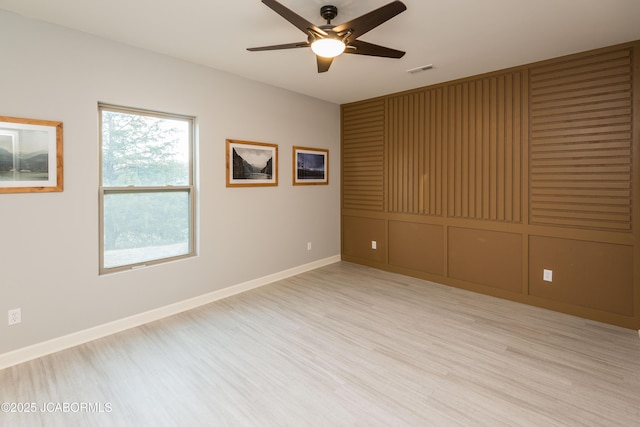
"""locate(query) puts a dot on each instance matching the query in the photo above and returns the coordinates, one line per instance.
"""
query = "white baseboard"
(57, 344)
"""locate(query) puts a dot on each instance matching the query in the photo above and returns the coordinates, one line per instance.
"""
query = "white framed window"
(146, 187)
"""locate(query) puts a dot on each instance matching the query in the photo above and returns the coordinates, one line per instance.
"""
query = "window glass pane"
(144, 150)
(145, 226)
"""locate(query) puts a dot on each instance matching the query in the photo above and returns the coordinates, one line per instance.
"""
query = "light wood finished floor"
(344, 345)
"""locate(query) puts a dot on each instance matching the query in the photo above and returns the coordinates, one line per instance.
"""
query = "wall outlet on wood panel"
(547, 275)
(374, 244)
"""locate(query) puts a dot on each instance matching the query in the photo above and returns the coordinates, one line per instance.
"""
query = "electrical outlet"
(374, 244)
(547, 275)
(14, 316)
(308, 246)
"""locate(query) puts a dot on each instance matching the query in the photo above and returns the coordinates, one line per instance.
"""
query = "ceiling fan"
(328, 41)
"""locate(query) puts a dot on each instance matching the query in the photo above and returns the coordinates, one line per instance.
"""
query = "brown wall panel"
(484, 143)
(363, 156)
(415, 152)
(590, 274)
(417, 246)
(490, 258)
(357, 234)
(581, 142)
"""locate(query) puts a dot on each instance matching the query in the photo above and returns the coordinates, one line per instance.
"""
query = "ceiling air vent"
(420, 69)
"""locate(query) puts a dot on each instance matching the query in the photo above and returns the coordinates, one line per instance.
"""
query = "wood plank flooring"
(344, 345)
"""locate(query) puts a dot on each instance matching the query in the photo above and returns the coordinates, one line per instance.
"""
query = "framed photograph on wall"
(251, 164)
(310, 166)
(30, 155)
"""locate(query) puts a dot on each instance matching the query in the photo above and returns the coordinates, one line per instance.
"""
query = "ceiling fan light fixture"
(328, 47)
(328, 41)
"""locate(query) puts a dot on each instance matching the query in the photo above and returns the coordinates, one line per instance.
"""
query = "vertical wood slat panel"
(436, 149)
(580, 172)
(484, 155)
(415, 153)
(363, 156)
(453, 149)
(501, 160)
(493, 145)
(479, 115)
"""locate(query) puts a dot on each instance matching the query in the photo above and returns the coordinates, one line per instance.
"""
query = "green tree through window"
(146, 187)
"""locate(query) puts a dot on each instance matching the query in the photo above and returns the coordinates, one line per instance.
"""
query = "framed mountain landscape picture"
(30, 155)
(310, 166)
(251, 164)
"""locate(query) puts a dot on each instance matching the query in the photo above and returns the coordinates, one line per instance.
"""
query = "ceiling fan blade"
(324, 64)
(297, 20)
(369, 21)
(279, 46)
(363, 48)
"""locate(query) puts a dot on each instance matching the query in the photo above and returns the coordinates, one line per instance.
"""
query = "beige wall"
(485, 182)
(49, 242)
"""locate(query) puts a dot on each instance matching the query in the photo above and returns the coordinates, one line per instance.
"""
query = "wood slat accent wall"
(485, 182)
(363, 156)
(581, 141)
(484, 142)
(484, 176)
(416, 128)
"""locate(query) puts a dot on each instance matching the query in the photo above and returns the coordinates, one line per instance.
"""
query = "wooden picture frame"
(31, 158)
(310, 166)
(251, 164)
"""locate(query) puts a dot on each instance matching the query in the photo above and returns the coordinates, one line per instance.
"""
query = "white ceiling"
(459, 37)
